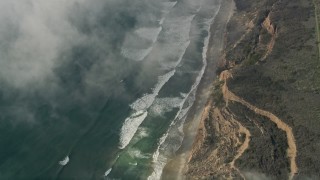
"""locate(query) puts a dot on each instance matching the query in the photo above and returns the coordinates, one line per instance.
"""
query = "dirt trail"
(218, 126)
(273, 32)
(316, 11)
(243, 147)
(292, 149)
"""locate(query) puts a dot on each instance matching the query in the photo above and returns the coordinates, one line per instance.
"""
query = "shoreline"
(176, 167)
(261, 124)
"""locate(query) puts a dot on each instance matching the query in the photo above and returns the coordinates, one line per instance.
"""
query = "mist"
(65, 78)
(67, 52)
(256, 176)
(36, 37)
(33, 33)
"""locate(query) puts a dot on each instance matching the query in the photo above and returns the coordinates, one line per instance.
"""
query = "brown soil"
(264, 115)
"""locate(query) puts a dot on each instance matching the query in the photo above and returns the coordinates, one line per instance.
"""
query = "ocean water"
(99, 89)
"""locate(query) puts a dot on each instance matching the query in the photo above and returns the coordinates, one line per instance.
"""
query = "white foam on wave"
(107, 172)
(131, 124)
(133, 164)
(142, 132)
(183, 42)
(183, 111)
(177, 29)
(216, 9)
(135, 153)
(161, 20)
(182, 51)
(146, 101)
(149, 33)
(160, 160)
(135, 54)
(64, 161)
(179, 35)
(183, 94)
(130, 127)
(163, 105)
(167, 6)
(175, 40)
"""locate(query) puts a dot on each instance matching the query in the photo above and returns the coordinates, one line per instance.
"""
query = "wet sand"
(176, 167)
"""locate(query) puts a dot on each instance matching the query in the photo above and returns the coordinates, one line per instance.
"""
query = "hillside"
(262, 120)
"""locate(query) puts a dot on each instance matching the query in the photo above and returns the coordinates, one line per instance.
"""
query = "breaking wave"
(130, 127)
(170, 142)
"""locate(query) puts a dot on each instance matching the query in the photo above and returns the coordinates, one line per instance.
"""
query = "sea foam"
(130, 127)
(135, 54)
(107, 172)
(160, 159)
(146, 101)
(135, 153)
(150, 34)
(167, 6)
(182, 41)
(64, 161)
(163, 105)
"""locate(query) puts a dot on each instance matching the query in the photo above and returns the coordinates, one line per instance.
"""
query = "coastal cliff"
(262, 119)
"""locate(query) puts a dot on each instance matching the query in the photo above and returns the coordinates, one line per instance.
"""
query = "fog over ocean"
(97, 89)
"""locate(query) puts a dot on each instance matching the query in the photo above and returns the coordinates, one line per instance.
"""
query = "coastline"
(177, 167)
(260, 120)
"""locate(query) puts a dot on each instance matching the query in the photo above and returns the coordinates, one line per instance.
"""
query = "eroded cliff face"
(225, 135)
(260, 122)
(215, 154)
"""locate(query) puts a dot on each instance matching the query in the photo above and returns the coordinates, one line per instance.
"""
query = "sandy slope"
(243, 147)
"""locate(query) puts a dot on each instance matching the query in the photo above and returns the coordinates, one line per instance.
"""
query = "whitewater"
(118, 82)
(160, 161)
(142, 104)
(175, 38)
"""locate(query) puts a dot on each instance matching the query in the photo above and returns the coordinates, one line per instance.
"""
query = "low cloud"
(33, 32)
(67, 53)
(256, 176)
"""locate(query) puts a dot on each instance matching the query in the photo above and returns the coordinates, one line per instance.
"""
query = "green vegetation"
(287, 82)
(252, 59)
(316, 13)
(217, 93)
(317, 74)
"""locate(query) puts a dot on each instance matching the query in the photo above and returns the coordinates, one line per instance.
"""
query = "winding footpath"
(316, 11)
(292, 149)
(243, 147)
